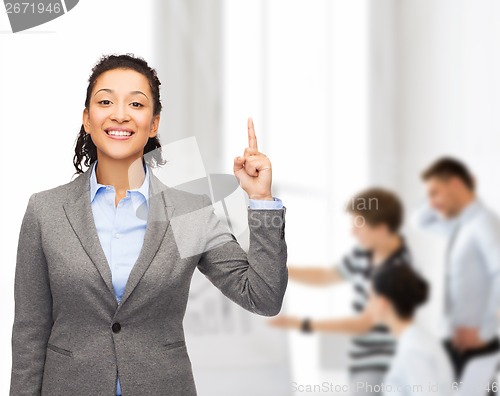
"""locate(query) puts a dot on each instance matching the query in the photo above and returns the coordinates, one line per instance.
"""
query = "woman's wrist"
(306, 326)
(267, 197)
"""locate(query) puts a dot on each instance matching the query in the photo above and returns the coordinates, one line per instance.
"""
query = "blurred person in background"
(377, 216)
(420, 365)
(472, 279)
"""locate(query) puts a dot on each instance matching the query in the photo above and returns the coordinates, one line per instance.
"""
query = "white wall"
(300, 68)
(188, 50)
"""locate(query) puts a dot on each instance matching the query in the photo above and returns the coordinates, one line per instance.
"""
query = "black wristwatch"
(306, 325)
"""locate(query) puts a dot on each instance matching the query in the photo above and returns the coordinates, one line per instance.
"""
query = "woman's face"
(120, 116)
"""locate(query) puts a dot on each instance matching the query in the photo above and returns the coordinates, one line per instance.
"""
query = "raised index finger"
(252, 139)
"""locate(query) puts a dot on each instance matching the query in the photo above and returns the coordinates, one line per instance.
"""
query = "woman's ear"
(154, 126)
(86, 120)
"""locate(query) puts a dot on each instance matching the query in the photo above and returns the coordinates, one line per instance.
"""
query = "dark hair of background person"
(85, 149)
(447, 167)
(402, 286)
(378, 206)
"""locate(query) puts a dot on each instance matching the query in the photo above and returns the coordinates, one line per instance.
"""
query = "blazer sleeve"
(33, 308)
(256, 280)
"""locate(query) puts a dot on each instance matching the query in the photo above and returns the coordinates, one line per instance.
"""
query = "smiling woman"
(118, 82)
(101, 283)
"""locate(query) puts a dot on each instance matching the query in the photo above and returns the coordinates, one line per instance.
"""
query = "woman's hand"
(253, 170)
(286, 322)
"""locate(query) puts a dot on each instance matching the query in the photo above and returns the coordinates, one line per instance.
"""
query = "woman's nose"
(120, 114)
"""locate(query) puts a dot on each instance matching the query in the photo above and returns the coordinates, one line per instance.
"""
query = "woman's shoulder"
(61, 192)
(178, 196)
(186, 200)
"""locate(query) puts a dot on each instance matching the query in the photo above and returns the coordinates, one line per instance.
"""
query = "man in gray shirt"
(472, 284)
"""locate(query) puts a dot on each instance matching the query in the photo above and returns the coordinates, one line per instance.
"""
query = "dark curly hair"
(85, 149)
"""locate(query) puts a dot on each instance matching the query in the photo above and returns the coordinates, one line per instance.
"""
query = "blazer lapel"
(159, 215)
(80, 215)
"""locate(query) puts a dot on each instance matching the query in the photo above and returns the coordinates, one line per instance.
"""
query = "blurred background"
(344, 94)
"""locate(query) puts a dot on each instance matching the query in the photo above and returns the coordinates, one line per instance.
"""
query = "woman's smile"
(119, 133)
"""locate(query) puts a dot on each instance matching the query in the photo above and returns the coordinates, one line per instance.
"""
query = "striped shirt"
(372, 350)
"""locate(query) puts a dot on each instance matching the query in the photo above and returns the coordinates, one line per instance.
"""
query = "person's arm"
(256, 281)
(358, 324)
(326, 276)
(317, 276)
(428, 219)
(33, 308)
(488, 241)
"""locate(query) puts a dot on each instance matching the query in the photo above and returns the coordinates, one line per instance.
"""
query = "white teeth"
(119, 133)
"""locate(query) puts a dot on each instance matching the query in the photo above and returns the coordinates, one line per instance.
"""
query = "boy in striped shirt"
(377, 216)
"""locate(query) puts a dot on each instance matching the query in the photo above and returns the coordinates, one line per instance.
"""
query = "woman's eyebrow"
(131, 92)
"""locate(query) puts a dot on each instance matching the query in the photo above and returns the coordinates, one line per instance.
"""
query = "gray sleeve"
(33, 308)
(256, 280)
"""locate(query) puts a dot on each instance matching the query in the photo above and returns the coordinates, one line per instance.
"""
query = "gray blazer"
(71, 337)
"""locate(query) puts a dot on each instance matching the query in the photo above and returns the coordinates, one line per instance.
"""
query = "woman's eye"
(136, 104)
(104, 102)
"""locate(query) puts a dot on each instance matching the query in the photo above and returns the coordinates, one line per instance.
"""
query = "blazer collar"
(79, 213)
